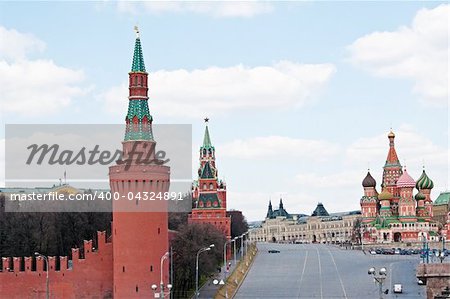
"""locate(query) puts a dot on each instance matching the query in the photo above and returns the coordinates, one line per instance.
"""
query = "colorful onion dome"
(420, 196)
(369, 181)
(406, 180)
(385, 195)
(424, 182)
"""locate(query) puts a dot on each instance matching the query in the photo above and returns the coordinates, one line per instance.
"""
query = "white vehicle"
(373, 252)
(398, 288)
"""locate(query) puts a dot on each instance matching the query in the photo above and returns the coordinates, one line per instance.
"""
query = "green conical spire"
(206, 139)
(138, 59)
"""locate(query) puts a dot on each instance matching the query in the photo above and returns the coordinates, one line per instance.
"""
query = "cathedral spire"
(392, 158)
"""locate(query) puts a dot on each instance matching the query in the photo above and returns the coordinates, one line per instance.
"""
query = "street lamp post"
(196, 267)
(379, 278)
(246, 244)
(242, 246)
(47, 280)
(161, 284)
(225, 264)
(234, 248)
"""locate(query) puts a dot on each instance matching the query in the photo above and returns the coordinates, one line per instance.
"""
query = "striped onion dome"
(385, 195)
(406, 180)
(424, 182)
(420, 196)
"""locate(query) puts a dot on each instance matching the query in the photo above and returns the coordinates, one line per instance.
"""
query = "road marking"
(301, 277)
(320, 273)
(339, 275)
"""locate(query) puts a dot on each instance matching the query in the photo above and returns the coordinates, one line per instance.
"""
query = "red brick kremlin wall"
(89, 277)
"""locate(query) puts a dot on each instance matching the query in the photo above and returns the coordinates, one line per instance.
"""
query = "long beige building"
(321, 227)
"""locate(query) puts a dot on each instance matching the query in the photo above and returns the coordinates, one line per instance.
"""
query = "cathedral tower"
(140, 228)
(392, 171)
(369, 202)
(424, 185)
(406, 204)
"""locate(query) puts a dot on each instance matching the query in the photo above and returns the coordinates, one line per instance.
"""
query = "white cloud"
(218, 90)
(335, 180)
(218, 9)
(279, 147)
(418, 52)
(15, 45)
(33, 87)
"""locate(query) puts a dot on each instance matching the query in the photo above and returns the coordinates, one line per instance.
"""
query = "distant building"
(441, 207)
(395, 214)
(320, 227)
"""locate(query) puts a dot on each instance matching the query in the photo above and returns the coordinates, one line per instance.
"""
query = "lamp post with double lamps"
(378, 278)
(158, 295)
(196, 266)
(440, 255)
(47, 280)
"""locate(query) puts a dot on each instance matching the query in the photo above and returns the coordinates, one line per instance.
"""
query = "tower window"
(123, 269)
(151, 268)
(137, 288)
(159, 230)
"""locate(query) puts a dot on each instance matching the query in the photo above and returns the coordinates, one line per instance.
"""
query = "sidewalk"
(209, 290)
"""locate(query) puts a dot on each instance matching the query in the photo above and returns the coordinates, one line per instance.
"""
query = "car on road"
(420, 281)
(274, 251)
(373, 252)
(398, 288)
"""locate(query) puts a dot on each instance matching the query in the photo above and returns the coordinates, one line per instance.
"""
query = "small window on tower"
(137, 288)
(211, 186)
(123, 269)
(159, 230)
(151, 268)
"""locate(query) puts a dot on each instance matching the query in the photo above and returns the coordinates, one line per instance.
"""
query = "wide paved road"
(321, 271)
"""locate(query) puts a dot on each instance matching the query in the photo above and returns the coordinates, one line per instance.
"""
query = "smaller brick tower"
(209, 194)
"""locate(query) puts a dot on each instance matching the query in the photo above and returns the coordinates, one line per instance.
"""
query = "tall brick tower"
(140, 228)
(209, 195)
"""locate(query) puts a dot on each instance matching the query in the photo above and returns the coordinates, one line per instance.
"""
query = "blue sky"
(300, 95)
